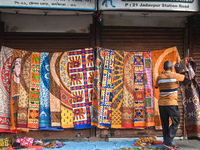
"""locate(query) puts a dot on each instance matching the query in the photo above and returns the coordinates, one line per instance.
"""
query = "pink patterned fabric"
(148, 90)
(26, 141)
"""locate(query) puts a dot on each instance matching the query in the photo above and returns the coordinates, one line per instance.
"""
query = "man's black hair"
(168, 65)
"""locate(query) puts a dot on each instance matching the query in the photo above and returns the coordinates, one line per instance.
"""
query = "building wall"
(42, 23)
(145, 19)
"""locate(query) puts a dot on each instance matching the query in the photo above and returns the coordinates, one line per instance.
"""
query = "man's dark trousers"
(169, 132)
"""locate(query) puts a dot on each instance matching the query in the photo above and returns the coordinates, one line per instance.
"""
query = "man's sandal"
(173, 147)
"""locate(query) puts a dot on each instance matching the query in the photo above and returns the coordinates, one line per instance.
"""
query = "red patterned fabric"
(5, 66)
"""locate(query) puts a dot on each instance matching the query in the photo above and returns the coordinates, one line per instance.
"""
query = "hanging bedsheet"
(67, 120)
(107, 89)
(22, 115)
(117, 89)
(128, 91)
(158, 59)
(81, 70)
(54, 88)
(190, 94)
(139, 105)
(148, 89)
(34, 96)
(44, 111)
(15, 87)
(98, 74)
(5, 66)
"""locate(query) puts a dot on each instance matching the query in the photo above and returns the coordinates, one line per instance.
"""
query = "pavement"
(183, 143)
(117, 143)
(188, 144)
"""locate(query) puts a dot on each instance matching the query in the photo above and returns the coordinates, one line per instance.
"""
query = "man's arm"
(179, 77)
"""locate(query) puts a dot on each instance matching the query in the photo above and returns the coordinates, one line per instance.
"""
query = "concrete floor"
(184, 144)
(188, 144)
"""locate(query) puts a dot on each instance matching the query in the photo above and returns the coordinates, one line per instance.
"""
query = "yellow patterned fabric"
(67, 120)
(117, 89)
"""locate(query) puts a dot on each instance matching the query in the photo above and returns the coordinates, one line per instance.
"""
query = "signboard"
(161, 5)
(51, 4)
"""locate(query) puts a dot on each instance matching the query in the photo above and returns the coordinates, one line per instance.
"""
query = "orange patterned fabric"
(22, 114)
(158, 59)
(128, 91)
(15, 87)
(34, 93)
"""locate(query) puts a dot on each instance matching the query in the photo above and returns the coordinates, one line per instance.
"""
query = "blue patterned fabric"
(107, 89)
(44, 111)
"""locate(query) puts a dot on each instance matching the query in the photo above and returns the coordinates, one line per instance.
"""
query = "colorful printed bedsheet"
(190, 94)
(81, 70)
(44, 111)
(148, 89)
(34, 96)
(139, 107)
(67, 120)
(54, 88)
(15, 87)
(107, 89)
(98, 74)
(118, 81)
(128, 91)
(158, 59)
(22, 115)
(5, 66)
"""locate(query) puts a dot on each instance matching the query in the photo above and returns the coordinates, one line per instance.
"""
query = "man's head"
(168, 65)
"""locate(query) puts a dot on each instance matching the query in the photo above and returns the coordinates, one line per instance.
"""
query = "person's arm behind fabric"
(156, 85)
(179, 77)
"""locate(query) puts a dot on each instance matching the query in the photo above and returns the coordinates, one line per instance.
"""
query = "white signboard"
(51, 4)
(165, 5)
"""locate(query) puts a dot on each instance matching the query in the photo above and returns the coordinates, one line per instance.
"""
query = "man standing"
(167, 82)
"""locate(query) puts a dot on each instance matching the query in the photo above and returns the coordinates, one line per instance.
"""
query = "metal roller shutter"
(196, 44)
(142, 39)
(49, 42)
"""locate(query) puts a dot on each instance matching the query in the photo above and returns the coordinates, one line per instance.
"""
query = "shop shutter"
(196, 44)
(142, 39)
(48, 42)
